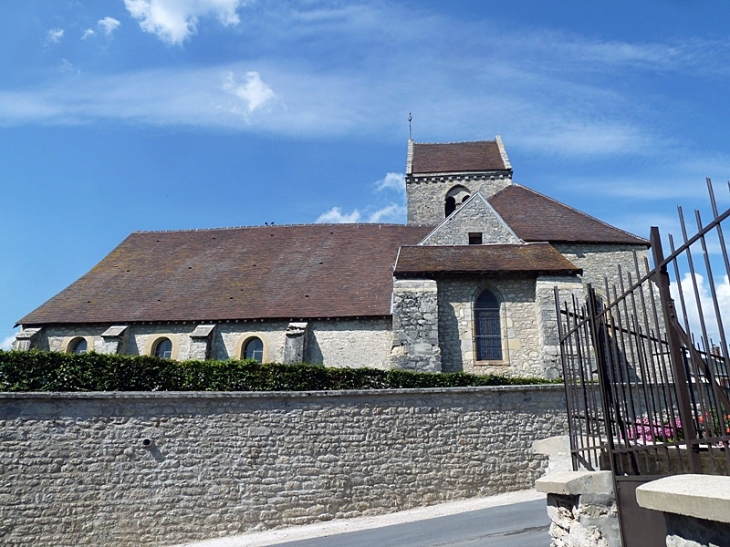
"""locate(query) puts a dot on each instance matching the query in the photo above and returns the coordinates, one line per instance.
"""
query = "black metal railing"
(646, 361)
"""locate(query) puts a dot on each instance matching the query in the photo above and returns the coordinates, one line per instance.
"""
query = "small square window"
(475, 238)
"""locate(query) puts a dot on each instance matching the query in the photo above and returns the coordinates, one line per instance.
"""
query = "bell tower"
(442, 176)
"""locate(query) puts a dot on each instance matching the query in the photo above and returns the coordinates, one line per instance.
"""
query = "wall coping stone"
(700, 496)
(60, 395)
(575, 483)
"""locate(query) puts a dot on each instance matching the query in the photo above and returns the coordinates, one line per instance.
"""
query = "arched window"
(254, 349)
(454, 198)
(163, 348)
(78, 346)
(450, 206)
(487, 328)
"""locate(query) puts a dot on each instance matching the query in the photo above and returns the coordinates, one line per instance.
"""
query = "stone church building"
(466, 285)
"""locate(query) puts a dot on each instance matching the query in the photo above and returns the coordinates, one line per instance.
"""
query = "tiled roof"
(533, 258)
(535, 217)
(282, 272)
(457, 157)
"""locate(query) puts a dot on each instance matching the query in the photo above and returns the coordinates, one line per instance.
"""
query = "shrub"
(52, 371)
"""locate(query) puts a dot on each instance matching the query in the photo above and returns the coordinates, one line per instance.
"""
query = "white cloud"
(158, 97)
(391, 213)
(108, 25)
(705, 304)
(555, 94)
(88, 33)
(7, 343)
(67, 67)
(392, 181)
(173, 21)
(54, 36)
(253, 92)
(336, 216)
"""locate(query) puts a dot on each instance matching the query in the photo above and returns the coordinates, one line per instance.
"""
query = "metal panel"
(639, 527)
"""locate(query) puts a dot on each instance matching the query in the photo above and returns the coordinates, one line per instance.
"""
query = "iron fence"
(646, 361)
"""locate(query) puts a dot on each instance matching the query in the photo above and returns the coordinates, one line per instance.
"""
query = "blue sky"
(127, 115)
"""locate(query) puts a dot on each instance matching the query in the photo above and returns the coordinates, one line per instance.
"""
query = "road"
(516, 525)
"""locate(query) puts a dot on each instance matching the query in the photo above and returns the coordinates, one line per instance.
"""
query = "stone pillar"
(112, 340)
(27, 339)
(582, 508)
(200, 342)
(415, 326)
(295, 344)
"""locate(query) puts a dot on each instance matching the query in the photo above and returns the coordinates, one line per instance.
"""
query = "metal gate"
(646, 367)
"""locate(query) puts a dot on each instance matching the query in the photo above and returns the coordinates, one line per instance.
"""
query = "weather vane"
(410, 128)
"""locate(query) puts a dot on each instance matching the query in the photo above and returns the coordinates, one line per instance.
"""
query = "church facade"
(466, 285)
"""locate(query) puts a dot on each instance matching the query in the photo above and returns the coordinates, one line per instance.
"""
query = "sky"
(126, 115)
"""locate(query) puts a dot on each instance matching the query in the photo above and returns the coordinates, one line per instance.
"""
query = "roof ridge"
(574, 210)
(252, 226)
(481, 245)
(457, 142)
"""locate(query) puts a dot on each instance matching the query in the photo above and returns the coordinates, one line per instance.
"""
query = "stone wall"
(695, 508)
(521, 351)
(474, 216)
(129, 469)
(351, 343)
(582, 509)
(599, 261)
(426, 195)
(416, 326)
(548, 317)
(336, 343)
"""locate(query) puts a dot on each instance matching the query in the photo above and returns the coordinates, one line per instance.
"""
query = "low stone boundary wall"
(163, 468)
(582, 508)
(696, 508)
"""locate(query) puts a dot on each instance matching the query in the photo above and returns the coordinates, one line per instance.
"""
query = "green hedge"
(52, 371)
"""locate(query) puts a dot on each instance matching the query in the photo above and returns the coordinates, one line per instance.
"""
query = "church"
(466, 285)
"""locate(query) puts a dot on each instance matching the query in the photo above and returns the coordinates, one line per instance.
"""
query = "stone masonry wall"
(130, 469)
(548, 317)
(599, 261)
(426, 195)
(350, 343)
(415, 326)
(521, 350)
(475, 216)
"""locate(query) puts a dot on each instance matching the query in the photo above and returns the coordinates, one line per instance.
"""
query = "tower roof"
(458, 157)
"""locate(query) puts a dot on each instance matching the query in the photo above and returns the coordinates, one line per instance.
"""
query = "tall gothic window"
(487, 328)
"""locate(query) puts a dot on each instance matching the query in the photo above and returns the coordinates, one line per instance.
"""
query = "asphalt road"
(517, 525)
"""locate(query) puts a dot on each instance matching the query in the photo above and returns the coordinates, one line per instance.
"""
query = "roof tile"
(535, 217)
(533, 258)
(458, 157)
(302, 271)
